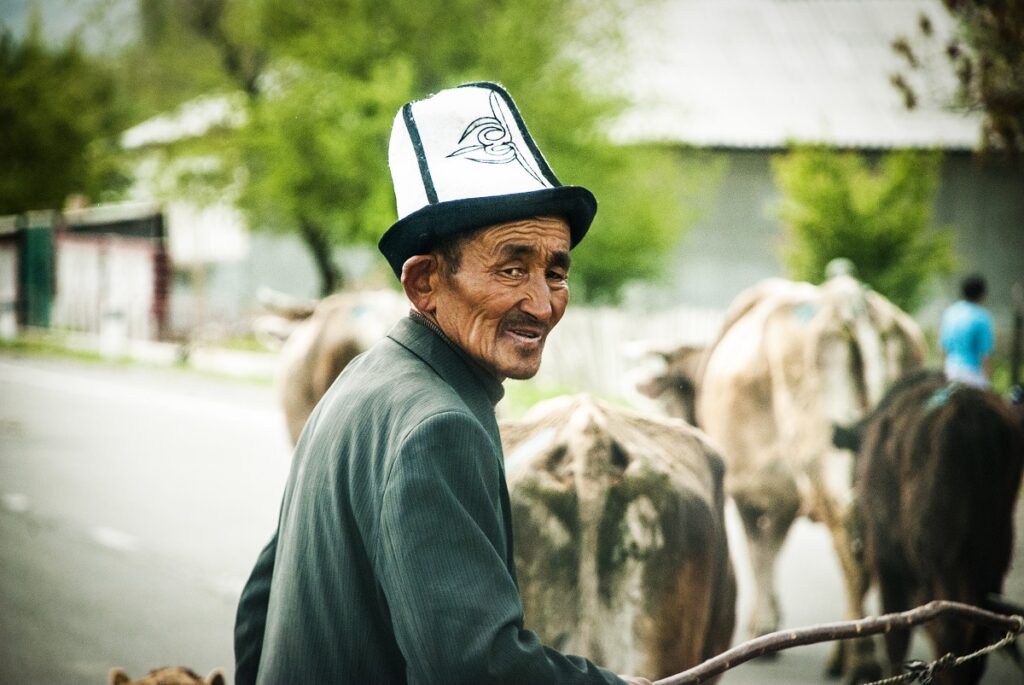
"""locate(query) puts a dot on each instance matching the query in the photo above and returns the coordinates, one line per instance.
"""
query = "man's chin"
(515, 362)
(521, 374)
(520, 369)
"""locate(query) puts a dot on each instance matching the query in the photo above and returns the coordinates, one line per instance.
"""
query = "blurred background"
(172, 172)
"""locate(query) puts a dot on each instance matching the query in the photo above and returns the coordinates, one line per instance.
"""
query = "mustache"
(515, 319)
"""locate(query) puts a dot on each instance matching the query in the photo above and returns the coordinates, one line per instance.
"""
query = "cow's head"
(172, 675)
(862, 343)
(673, 383)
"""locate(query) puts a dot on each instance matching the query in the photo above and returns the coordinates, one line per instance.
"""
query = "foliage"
(836, 205)
(986, 55)
(647, 196)
(332, 75)
(179, 54)
(59, 116)
(305, 176)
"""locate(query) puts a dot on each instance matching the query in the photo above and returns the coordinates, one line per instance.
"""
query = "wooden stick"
(844, 630)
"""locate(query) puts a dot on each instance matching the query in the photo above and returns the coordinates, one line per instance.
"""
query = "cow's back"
(938, 476)
(620, 535)
(791, 360)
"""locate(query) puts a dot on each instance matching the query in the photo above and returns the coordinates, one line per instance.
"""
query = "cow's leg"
(950, 636)
(766, 528)
(894, 590)
(855, 659)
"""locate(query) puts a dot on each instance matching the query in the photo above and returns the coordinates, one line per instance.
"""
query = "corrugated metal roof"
(760, 73)
(191, 120)
(111, 213)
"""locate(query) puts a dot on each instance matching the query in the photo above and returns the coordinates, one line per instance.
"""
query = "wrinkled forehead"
(533, 237)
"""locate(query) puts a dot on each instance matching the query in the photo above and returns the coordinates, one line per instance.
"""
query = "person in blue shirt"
(966, 335)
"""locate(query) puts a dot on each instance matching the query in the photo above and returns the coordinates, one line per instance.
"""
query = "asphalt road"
(133, 502)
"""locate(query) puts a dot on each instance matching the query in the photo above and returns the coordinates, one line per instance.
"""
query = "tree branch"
(827, 632)
(316, 240)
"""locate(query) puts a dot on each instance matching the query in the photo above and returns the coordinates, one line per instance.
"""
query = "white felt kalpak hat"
(461, 160)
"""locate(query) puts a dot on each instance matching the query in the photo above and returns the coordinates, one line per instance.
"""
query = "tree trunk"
(316, 239)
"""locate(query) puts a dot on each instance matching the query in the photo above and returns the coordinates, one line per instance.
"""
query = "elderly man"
(392, 561)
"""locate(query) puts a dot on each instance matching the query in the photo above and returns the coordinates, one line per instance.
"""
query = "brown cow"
(791, 360)
(340, 327)
(620, 536)
(938, 474)
(175, 675)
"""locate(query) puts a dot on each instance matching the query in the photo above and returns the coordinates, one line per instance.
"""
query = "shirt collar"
(428, 341)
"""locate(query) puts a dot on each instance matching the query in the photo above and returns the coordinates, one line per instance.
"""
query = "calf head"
(620, 539)
(168, 675)
(674, 385)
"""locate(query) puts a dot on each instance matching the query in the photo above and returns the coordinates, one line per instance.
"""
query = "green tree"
(180, 51)
(836, 205)
(332, 75)
(59, 118)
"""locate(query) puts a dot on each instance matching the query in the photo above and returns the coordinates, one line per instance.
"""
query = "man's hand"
(635, 680)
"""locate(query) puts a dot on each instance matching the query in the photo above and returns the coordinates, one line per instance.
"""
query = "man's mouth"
(525, 330)
(528, 335)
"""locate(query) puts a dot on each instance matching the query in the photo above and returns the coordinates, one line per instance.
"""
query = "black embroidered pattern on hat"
(494, 144)
(438, 194)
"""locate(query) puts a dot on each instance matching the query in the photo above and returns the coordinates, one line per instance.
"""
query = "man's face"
(508, 293)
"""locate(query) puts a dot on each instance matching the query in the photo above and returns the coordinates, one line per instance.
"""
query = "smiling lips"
(527, 336)
(528, 333)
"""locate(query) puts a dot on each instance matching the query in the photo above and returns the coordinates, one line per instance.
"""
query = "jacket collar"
(448, 360)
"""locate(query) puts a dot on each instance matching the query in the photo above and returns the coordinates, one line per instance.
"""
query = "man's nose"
(537, 299)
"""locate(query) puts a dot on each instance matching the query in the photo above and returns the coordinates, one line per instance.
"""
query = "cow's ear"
(846, 437)
(216, 677)
(118, 676)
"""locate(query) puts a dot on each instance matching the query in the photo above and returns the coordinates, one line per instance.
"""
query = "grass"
(520, 396)
(55, 345)
(48, 346)
(242, 343)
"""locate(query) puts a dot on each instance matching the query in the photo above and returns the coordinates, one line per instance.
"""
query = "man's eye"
(513, 271)
(557, 275)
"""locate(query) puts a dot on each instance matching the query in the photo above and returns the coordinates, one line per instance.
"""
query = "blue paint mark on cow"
(940, 397)
(805, 312)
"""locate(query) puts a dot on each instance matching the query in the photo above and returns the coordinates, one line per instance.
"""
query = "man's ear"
(419, 283)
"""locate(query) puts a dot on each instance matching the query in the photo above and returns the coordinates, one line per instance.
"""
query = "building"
(744, 78)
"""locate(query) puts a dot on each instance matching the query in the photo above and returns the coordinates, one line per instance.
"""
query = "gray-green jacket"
(392, 561)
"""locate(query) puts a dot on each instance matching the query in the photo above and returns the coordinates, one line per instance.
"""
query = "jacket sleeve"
(251, 618)
(441, 560)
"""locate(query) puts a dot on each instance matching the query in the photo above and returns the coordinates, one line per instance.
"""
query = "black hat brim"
(419, 232)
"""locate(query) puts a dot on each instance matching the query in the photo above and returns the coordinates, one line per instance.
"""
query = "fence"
(106, 281)
(598, 350)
